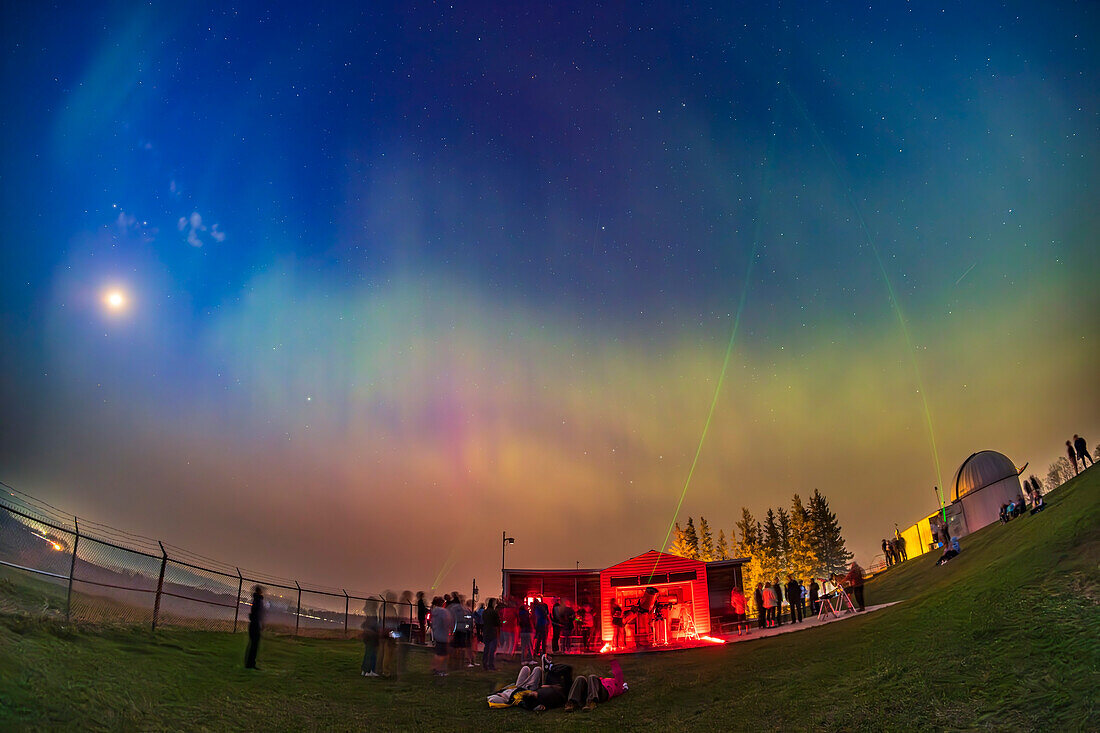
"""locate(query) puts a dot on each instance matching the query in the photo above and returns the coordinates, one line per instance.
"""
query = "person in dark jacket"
(1082, 449)
(490, 619)
(421, 617)
(255, 626)
(777, 588)
(815, 589)
(758, 601)
(794, 599)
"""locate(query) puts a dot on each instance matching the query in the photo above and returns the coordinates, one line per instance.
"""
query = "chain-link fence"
(56, 565)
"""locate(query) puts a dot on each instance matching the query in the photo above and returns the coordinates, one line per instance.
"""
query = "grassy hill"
(1005, 637)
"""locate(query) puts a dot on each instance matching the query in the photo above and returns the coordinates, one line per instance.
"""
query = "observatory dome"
(982, 469)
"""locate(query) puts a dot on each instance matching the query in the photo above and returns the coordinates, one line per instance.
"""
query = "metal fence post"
(298, 613)
(237, 608)
(345, 612)
(72, 569)
(160, 583)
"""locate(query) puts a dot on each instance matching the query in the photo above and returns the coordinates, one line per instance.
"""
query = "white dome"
(982, 469)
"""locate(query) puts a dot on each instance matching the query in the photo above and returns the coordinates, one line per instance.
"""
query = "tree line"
(805, 540)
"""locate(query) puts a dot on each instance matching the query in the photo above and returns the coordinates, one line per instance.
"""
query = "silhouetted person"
(778, 590)
(900, 541)
(1082, 450)
(794, 599)
(421, 616)
(1072, 457)
(886, 553)
(814, 590)
(758, 602)
(255, 626)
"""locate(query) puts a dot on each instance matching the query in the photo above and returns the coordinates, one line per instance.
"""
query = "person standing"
(526, 633)
(815, 589)
(618, 630)
(886, 553)
(777, 588)
(369, 667)
(1072, 453)
(794, 599)
(855, 582)
(758, 602)
(541, 613)
(421, 618)
(769, 601)
(1082, 450)
(901, 546)
(557, 621)
(255, 626)
(442, 626)
(491, 625)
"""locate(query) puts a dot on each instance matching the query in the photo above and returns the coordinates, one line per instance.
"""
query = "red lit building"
(667, 599)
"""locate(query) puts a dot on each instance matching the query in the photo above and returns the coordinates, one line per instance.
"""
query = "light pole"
(505, 540)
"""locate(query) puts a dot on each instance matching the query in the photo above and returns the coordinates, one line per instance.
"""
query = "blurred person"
(886, 552)
(540, 613)
(387, 635)
(568, 626)
(509, 636)
(442, 625)
(370, 636)
(758, 603)
(815, 590)
(618, 638)
(855, 582)
(777, 588)
(1072, 457)
(526, 633)
(738, 603)
(557, 621)
(255, 626)
(1082, 449)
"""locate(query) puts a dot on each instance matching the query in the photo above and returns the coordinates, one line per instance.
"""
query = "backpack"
(559, 674)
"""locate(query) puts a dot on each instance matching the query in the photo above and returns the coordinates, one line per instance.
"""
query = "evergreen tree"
(678, 546)
(706, 541)
(691, 540)
(748, 543)
(784, 522)
(771, 540)
(722, 551)
(802, 558)
(827, 540)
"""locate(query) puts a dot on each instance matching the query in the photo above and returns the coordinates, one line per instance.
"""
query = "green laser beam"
(912, 353)
(729, 349)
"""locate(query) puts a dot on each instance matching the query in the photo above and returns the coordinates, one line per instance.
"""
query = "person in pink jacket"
(589, 690)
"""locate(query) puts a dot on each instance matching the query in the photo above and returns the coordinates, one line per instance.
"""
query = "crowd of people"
(894, 550)
(802, 600)
(500, 627)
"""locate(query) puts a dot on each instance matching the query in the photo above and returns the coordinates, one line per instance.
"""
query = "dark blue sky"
(503, 239)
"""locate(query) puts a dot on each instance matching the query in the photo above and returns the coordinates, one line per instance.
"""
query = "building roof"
(982, 469)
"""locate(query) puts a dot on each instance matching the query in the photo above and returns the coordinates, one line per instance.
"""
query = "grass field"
(1005, 637)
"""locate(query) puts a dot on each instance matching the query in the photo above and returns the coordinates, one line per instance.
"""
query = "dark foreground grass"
(1004, 637)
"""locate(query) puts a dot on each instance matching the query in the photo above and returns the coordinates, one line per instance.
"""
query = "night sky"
(390, 283)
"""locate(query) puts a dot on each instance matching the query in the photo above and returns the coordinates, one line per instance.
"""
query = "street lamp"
(505, 540)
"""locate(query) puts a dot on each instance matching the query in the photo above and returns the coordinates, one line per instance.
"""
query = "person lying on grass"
(537, 687)
(589, 690)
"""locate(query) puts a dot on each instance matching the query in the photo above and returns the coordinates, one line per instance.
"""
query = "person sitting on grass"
(949, 551)
(590, 689)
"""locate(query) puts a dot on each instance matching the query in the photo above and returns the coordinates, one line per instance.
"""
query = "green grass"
(1005, 637)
